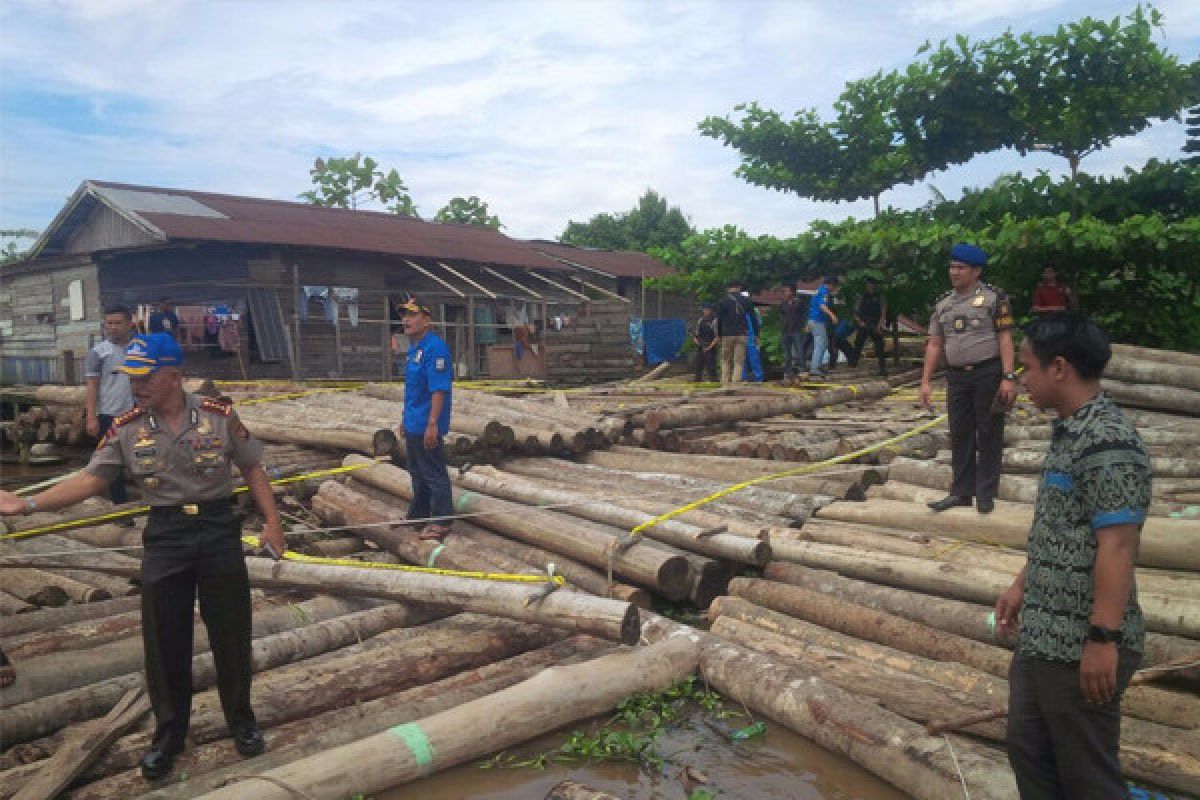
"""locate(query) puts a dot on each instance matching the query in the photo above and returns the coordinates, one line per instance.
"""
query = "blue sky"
(549, 111)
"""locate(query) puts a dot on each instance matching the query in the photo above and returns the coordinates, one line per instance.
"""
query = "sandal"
(433, 533)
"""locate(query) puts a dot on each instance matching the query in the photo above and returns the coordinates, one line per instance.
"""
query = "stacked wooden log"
(1163, 380)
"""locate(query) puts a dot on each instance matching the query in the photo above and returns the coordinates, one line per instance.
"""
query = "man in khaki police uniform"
(179, 449)
(972, 325)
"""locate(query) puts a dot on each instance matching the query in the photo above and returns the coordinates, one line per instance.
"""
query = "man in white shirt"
(108, 393)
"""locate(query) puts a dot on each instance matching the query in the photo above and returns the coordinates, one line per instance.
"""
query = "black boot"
(249, 741)
(158, 761)
(985, 505)
(949, 501)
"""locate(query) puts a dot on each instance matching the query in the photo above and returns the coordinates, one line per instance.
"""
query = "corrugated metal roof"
(181, 214)
(620, 263)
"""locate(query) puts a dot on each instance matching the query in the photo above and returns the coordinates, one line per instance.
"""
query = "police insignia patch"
(440, 364)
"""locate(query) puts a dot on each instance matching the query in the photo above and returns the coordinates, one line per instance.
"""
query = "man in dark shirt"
(164, 320)
(705, 337)
(1081, 632)
(869, 314)
(793, 313)
(731, 329)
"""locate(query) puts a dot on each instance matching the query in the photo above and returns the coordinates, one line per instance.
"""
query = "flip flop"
(433, 533)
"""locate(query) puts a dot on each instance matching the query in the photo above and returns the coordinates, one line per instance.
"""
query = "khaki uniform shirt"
(191, 466)
(970, 322)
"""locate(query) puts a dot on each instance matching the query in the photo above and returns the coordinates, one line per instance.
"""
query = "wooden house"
(267, 289)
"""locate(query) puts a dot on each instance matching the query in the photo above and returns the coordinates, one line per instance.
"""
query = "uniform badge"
(440, 364)
(978, 301)
(143, 438)
(204, 428)
(150, 483)
(960, 324)
(420, 354)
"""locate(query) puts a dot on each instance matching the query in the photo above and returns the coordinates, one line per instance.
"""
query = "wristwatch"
(30, 505)
(1009, 376)
(1104, 635)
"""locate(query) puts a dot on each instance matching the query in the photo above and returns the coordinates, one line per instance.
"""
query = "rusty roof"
(619, 263)
(168, 215)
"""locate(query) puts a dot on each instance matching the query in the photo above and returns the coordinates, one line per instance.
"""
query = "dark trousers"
(860, 340)
(706, 362)
(976, 434)
(116, 489)
(185, 556)
(793, 353)
(430, 481)
(1062, 747)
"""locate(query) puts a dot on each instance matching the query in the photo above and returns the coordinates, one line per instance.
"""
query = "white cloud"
(549, 111)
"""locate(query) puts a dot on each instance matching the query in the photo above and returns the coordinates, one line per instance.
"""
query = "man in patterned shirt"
(1081, 630)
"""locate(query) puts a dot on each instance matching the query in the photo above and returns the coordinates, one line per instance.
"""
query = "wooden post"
(337, 341)
(471, 368)
(68, 368)
(296, 320)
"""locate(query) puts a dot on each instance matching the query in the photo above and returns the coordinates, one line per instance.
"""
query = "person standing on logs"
(107, 394)
(180, 450)
(793, 314)
(1081, 633)
(869, 314)
(704, 335)
(972, 328)
(427, 398)
(731, 329)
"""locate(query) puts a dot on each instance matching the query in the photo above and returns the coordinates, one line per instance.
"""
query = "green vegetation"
(468, 211)
(631, 734)
(1129, 245)
(652, 223)
(349, 182)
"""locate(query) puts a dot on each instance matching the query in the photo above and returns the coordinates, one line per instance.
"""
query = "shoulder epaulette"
(128, 417)
(995, 289)
(943, 296)
(217, 405)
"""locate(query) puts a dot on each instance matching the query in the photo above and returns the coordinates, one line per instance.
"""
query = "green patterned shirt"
(1096, 474)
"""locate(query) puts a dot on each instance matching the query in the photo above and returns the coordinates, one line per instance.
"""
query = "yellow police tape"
(275, 398)
(133, 512)
(499, 577)
(804, 470)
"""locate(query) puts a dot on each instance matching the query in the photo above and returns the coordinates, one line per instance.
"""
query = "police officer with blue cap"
(180, 449)
(971, 328)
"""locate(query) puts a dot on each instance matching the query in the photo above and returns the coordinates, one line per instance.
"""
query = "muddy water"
(778, 765)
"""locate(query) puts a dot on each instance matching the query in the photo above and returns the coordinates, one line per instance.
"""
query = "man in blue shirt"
(820, 317)
(427, 387)
(164, 320)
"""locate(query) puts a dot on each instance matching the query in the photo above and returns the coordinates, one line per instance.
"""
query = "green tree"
(1074, 91)
(652, 223)
(354, 180)
(468, 211)
(11, 250)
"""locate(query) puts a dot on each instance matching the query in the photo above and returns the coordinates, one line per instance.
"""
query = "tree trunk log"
(639, 564)
(52, 618)
(1129, 351)
(473, 729)
(1153, 396)
(1166, 543)
(886, 744)
(760, 407)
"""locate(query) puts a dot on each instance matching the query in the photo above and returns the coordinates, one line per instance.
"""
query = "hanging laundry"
(319, 294)
(346, 296)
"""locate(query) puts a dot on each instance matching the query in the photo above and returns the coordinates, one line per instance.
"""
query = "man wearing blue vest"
(427, 386)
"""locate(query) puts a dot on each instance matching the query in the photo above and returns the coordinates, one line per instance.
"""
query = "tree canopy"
(652, 223)
(1070, 92)
(468, 211)
(352, 181)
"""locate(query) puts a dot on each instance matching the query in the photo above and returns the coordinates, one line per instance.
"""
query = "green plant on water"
(701, 794)
(631, 734)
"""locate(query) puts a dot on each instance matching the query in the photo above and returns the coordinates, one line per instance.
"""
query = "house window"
(75, 300)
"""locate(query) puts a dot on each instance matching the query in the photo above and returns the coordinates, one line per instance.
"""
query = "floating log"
(1166, 543)
(886, 744)
(213, 764)
(45, 714)
(760, 407)
(639, 564)
(954, 616)
(1150, 751)
(688, 537)
(1168, 708)
(474, 729)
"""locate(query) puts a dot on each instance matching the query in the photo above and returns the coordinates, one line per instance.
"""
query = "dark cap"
(411, 306)
(969, 254)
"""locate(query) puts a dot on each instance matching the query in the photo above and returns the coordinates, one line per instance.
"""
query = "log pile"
(839, 605)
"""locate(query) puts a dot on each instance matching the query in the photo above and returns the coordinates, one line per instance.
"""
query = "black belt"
(194, 509)
(980, 365)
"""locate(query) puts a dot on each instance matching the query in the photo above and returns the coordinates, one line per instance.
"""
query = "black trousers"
(187, 556)
(116, 489)
(1062, 747)
(976, 434)
(860, 340)
(706, 362)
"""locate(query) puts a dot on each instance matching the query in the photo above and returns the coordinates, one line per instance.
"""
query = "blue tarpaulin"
(663, 339)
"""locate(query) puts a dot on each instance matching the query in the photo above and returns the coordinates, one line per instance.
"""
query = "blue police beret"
(969, 254)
